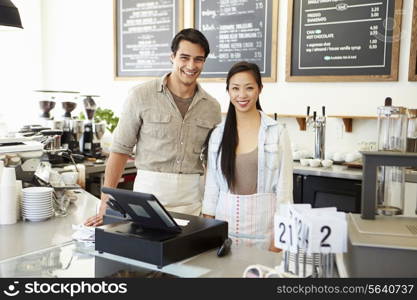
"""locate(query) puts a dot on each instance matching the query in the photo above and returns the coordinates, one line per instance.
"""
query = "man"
(168, 120)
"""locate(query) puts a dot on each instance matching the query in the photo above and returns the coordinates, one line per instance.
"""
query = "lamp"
(9, 15)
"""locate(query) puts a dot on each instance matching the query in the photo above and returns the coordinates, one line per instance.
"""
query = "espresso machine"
(93, 132)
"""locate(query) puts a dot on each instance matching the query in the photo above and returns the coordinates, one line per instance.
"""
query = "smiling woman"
(249, 164)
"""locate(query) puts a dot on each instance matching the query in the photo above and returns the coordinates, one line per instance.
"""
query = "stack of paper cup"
(8, 197)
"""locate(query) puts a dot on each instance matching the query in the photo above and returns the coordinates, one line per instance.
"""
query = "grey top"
(246, 173)
(182, 103)
(165, 141)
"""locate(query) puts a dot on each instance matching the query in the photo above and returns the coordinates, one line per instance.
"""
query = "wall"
(78, 54)
(21, 65)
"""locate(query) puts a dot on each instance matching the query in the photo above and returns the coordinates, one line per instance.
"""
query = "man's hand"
(97, 220)
(114, 169)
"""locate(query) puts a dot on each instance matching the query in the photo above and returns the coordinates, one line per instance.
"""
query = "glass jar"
(392, 136)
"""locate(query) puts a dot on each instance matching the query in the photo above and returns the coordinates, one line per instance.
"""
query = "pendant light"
(9, 14)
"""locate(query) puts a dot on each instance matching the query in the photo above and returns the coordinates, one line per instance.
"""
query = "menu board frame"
(393, 76)
(179, 4)
(412, 73)
(273, 36)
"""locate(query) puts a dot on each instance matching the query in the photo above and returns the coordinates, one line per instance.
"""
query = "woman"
(249, 170)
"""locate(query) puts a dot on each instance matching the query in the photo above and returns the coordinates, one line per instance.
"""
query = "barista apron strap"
(177, 192)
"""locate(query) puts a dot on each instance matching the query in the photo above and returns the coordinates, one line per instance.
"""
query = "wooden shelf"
(348, 120)
(301, 120)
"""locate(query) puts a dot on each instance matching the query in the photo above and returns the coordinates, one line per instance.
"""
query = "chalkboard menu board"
(143, 33)
(412, 74)
(238, 30)
(343, 40)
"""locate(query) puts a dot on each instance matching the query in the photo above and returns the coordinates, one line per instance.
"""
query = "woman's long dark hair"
(230, 138)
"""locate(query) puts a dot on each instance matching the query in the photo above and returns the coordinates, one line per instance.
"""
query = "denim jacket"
(275, 167)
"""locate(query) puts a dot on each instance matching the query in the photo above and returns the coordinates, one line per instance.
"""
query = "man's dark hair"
(192, 35)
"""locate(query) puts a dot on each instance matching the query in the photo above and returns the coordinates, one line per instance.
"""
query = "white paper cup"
(8, 177)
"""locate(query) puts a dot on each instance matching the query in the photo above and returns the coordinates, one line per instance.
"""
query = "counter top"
(46, 249)
(76, 260)
(339, 171)
(25, 237)
(91, 168)
(335, 171)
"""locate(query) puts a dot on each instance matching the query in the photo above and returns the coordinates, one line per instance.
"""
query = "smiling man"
(167, 119)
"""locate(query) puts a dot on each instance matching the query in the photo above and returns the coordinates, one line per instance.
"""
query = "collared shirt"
(275, 166)
(165, 141)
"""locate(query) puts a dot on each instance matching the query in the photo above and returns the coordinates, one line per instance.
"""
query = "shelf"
(348, 120)
(301, 120)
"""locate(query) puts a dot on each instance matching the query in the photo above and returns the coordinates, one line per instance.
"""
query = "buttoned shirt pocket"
(157, 125)
(271, 156)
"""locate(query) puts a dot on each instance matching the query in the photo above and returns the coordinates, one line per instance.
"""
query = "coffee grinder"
(90, 141)
(73, 128)
(46, 104)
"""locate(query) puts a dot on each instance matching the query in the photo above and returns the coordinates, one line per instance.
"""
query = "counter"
(343, 172)
(76, 260)
(91, 168)
(46, 249)
(26, 237)
(335, 171)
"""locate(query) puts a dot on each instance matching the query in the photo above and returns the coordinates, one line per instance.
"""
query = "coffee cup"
(326, 163)
(315, 162)
(69, 178)
(304, 162)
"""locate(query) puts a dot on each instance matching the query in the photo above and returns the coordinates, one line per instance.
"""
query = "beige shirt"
(165, 141)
